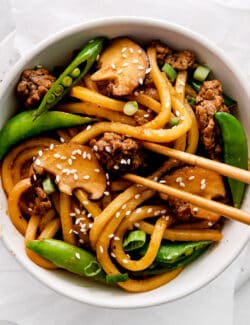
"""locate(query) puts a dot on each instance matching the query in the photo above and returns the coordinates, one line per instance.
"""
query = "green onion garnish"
(196, 85)
(135, 239)
(114, 278)
(48, 186)
(173, 121)
(201, 73)
(191, 100)
(130, 108)
(170, 71)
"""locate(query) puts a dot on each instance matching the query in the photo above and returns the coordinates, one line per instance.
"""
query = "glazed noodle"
(109, 223)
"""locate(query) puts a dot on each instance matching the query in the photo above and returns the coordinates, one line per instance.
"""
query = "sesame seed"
(190, 178)
(146, 115)
(209, 224)
(70, 161)
(34, 177)
(88, 127)
(72, 214)
(73, 157)
(116, 238)
(40, 153)
(136, 224)
(163, 211)
(57, 180)
(107, 176)
(38, 162)
(203, 186)
(203, 181)
(128, 161)
(101, 249)
(51, 146)
(78, 255)
(117, 215)
(56, 155)
(81, 241)
(181, 118)
(136, 93)
(113, 66)
(113, 254)
(124, 49)
(110, 235)
(150, 210)
(178, 179)
(89, 215)
(181, 184)
(140, 81)
(86, 177)
(106, 193)
(62, 140)
(63, 157)
(77, 211)
(137, 196)
(124, 55)
(123, 161)
(85, 202)
(65, 171)
(131, 50)
(58, 166)
(148, 70)
(125, 64)
(89, 156)
(125, 261)
(177, 113)
(29, 209)
(84, 155)
(116, 167)
(124, 206)
(97, 170)
(139, 51)
(155, 179)
(76, 177)
(108, 149)
(140, 67)
(90, 225)
(138, 210)
(128, 213)
(70, 231)
(119, 71)
(195, 209)
(162, 181)
(95, 147)
(135, 61)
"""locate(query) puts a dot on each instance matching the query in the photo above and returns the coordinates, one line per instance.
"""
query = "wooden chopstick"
(225, 210)
(221, 168)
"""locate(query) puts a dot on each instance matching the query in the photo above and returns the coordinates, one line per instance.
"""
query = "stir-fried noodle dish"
(85, 131)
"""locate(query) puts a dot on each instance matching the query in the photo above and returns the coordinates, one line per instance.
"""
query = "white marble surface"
(23, 299)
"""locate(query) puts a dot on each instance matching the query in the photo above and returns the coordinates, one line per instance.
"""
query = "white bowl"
(57, 50)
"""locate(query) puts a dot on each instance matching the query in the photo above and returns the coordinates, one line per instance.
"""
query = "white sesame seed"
(38, 162)
(72, 214)
(181, 118)
(108, 149)
(203, 181)
(57, 180)
(76, 177)
(117, 215)
(57, 155)
(119, 71)
(116, 167)
(73, 157)
(146, 115)
(88, 127)
(177, 113)
(125, 261)
(136, 224)
(139, 51)
(84, 155)
(124, 49)
(137, 196)
(128, 213)
(209, 224)
(155, 179)
(150, 210)
(70, 231)
(62, 140)
(182, 184)
(113, 254)
(65, 171)
(89, 156)
(63, 157)
(51, 146)
(140, 81)
(157, 213)
(124, 55)
(58, 166)
(95, 147)
(178, 179)
(89, 215)
(110, 235)
(116, 238)
(77, 211)
(140, 67)
(101, 249)
(34, 177)
(163, 211)
(113, 66)
(86, 177)
(97, 170)
(131, 50)
(162, 181)
(78, 255)
(148, 70)
(124, 206)
(135, 61)
(195, 209)
(40, 153)
(128, 161)
(106, 193)
(190, 178)
(125, 64)
(81, 241)
(203, 186)
(136, 93)
(107, 176)
(123, 161)
(85, 202)
(70, 161)
(138, 210)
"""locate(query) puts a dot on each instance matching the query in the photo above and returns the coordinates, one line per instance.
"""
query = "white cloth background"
(23, 299)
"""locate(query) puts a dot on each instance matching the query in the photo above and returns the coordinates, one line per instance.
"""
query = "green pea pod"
(158, 268)
(235, 151)
(22, 126)
(173, 252)
(71, 75)
(68, 257)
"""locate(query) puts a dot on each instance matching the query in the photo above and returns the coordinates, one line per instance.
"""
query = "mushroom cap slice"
(74, 166)
(198, 181)
(123, 64)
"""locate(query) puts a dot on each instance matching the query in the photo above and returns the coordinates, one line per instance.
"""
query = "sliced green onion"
(191, 100)
(130, 108)
(48, 186)
(170, 71)
(196, 85)
(173, 121)
(201, 73)
(135, 239)
(228, 101)
(114, 278)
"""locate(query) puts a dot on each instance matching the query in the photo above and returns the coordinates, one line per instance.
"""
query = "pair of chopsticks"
(221, 168)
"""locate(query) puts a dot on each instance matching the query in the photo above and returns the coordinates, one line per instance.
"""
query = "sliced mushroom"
(123, 64)
(74, 166)
(198, 181)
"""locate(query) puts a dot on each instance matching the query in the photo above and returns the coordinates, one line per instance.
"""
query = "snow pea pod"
(72, 74)
(235, 151)
(68, 257)
(22, 126)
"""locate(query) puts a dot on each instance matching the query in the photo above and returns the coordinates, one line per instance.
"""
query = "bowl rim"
(141, 21)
